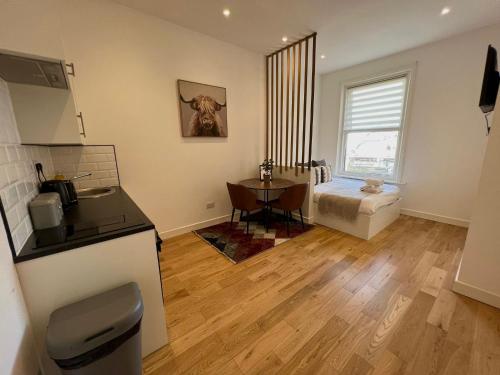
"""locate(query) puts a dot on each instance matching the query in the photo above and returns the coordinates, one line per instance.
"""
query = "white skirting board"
(365, 226)
(217, 220)
(439, 218)
(199, 225)
(474, 292)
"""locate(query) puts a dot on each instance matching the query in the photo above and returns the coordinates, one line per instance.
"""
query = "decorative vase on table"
(266, 170)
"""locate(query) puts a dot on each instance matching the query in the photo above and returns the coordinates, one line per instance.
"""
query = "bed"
(376, 211)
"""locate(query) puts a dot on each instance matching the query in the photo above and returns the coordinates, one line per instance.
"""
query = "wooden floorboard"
(326, 303)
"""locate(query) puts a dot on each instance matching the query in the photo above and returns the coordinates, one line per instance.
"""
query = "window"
(372, 127)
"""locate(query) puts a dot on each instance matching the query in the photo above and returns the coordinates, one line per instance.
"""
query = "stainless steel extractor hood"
(18, 68)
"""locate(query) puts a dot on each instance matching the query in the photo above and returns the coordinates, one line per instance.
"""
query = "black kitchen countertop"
(92, 221)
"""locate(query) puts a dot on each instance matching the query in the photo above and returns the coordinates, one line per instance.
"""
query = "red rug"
(237, 245)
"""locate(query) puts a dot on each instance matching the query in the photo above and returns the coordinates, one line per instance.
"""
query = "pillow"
(318, 163)
(326, 173)
(317, 175)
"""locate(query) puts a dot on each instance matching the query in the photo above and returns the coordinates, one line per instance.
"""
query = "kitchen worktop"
(92, 221)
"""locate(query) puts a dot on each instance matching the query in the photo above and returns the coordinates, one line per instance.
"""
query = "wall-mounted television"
(491, 81)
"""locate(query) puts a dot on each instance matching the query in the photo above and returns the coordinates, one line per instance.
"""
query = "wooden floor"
(326, 303)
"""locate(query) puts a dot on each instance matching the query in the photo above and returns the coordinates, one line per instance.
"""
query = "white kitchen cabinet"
(42, 99)
(45, 115)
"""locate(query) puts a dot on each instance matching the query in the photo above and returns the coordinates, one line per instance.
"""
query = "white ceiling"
(349, 31)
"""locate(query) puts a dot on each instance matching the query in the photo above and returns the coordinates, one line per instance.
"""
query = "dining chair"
(243, 199)
(291, 200)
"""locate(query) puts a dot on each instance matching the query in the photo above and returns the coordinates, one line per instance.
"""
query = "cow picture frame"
(203, 109)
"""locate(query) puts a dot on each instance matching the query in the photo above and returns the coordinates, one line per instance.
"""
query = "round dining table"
(275, 184)
(266, 187)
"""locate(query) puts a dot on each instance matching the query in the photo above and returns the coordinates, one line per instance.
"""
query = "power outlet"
(210, 204)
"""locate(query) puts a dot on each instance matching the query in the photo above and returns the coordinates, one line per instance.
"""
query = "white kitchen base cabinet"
(56, 280)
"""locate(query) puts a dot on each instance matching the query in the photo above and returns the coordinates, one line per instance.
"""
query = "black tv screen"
(490, 82)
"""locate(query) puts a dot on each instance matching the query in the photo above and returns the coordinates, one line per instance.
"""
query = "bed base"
(365, 226)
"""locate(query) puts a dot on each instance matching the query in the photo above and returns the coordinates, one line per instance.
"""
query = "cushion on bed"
(318, 163)
(317, 175)
(326, 173)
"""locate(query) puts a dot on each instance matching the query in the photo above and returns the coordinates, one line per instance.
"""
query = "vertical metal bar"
(281, 110)
(276, 113)
(299, 75)
(306, 62)
(271, 129)
(287, 104)
(313, 81)
(80, 116)
(267, 107)
(293, 106)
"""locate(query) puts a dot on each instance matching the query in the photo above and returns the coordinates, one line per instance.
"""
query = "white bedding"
(369, 204)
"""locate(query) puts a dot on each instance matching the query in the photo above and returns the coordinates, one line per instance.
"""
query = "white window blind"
(371, 128)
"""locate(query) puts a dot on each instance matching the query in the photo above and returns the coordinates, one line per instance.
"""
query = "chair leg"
(266, 219)
(232, 217)
(248, 220)
(288, 223)
(269, 218)
(302, 218)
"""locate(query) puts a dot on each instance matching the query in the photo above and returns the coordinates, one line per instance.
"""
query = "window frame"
(408, 73)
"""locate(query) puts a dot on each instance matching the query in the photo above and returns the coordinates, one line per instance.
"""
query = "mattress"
(369, 204)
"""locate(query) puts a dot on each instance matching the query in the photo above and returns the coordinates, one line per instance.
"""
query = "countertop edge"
(83, 242)
(79, 244)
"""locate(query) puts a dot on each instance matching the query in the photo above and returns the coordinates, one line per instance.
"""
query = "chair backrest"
(241, 197)
(293, 197)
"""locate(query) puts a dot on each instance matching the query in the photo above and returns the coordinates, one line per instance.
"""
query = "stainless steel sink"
(96, 192)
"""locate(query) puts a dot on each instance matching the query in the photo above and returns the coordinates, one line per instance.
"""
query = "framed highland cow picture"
(203, 109)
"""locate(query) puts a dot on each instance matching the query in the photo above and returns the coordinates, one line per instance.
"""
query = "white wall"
(17, 347)
(446, 136)
(127, 68)
(31, 26)
(479, 276)
(127, 65)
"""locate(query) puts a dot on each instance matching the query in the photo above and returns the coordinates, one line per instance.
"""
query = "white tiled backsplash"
(72, 161)
(18, 181)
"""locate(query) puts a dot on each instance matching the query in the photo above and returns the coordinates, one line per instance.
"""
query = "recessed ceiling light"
(226, 12)
(284, 39)
(322, 56)
(445, 11)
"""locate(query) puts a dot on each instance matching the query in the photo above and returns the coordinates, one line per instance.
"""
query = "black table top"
(92, 221)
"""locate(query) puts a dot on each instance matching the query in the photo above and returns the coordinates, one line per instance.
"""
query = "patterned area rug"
(237, 245)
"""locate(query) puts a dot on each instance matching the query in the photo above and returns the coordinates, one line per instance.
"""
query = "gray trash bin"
(98, 335)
